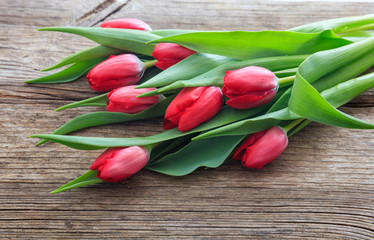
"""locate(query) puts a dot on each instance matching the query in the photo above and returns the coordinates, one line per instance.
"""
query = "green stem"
(293, 124)
(302, 125)
(364, 27)
(286, 81)
(149, 64)
(149, 147)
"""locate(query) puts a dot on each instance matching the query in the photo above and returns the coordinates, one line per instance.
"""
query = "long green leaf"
(99, 101)
(201, 153)
(308, 103)
(167, 146)
(349, 71)
(172, 32)
(328, 68)
(324, 62)
(69, 74)
(86, 54)
(125, 39)
(104, 118)
(358, 35)
(251, 125)
(225, 116)
(86, 179)
(190, 67)
(246, 45)
(285, 72)
(338, 25)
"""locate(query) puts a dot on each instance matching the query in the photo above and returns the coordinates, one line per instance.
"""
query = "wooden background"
(322, 186)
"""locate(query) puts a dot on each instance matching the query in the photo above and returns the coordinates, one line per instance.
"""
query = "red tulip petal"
(203, 109)
(184, 99)
(125, 100)
(249, 79)
(126, 23)
(265, 149)
(250, 101)
(166, 63)
(248, 142)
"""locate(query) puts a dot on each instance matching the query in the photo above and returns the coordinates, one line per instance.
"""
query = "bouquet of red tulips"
(223, 95)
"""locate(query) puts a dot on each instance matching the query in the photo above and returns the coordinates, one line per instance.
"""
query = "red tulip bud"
(127, 23)
(115, 72)
(168, 54)
(249, 87)
(116, 164)
(262, 147)
(193, 106)
(125, 100)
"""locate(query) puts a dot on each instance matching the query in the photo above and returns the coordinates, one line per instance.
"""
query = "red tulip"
(126, 23)
(168, 54)
(262, 147)
(249, 87)
(125, 100)
(193, 106)
(116, 164)
(117, 71)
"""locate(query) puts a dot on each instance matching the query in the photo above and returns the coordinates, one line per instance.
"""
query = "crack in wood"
(111, 13)
(102, 11)
(97, 9)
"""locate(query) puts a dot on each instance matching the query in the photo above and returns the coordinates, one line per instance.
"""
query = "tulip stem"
(293, 124)
(286, 81)
(149, 147)
(149, 64)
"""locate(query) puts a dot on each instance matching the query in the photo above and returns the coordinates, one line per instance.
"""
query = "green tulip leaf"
(201, 153)
(324, 62)
(338, 25)
(172, 32)
(251, 125)
(285, 72)
(99, 101)
(189, 67)
(169, 145)
(104, 118)
(125, 39)
(306, 100)
(308, 103)
(358, 35)
(225, 116)
(86, 54)
(248, 45)
(86, 179)
(349, 71)
(69, 74)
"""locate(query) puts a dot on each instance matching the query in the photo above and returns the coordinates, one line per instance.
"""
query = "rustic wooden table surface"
(321, 187)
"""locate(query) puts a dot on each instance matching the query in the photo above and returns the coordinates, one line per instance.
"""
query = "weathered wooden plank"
(322, 186)
(99, 12)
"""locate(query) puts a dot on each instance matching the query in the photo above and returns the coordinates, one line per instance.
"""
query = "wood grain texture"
(321, 187)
